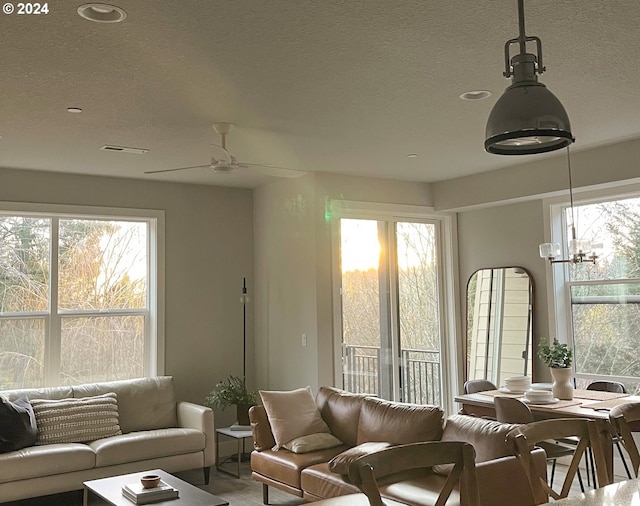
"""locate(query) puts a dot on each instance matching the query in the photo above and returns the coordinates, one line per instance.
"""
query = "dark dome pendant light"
(528, 118)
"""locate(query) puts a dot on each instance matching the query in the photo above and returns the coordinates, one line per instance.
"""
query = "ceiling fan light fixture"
(528, 118)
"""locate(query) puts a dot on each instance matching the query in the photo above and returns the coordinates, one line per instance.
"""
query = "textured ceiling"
(349, 87)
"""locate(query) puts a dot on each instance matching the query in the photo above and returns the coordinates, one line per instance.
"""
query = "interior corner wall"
(293, 272)
(208, 250)
(506, 236)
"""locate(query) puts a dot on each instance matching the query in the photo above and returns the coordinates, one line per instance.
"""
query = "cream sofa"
(157, 432)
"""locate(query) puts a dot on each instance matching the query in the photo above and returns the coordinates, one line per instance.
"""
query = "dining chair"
(613, 387)
(368, 470)
(620, 417)
(526, 437)
(478, 385)
(512, 410)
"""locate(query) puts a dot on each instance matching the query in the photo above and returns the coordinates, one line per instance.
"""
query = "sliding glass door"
(390, 309)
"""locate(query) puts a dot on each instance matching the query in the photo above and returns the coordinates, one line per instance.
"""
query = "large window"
(598, 305)
(77, 298)
(391, 322)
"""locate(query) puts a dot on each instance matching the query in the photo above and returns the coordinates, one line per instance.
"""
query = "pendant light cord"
(573, 217)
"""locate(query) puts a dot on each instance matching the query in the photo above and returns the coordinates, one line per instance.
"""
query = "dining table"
(591, 404)
(622, 493)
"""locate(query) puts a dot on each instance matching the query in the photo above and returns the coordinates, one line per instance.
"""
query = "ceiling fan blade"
(272, 170)
(174, 170)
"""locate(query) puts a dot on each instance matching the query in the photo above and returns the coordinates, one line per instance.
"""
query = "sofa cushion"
(45, 460)
(320, 483)
(292, 414)
(486, 436)
(143, 403)
(420, 490)
(285, 466)
(341, 411)
(341, 462)
(149, 444)
(312, 442)
(76, 420)
(398, 423)
(17, 424)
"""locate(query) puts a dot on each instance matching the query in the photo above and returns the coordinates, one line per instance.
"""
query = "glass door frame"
(451, 348)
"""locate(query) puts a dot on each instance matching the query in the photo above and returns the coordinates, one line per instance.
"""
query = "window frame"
(154, 335)
(450, 322)
(558, 281)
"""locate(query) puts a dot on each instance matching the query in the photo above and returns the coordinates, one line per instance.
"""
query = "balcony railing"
(420, 373)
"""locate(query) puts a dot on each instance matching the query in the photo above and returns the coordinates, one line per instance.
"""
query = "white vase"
(562, 386)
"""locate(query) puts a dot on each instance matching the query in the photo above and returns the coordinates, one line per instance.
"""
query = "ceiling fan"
(228, 163)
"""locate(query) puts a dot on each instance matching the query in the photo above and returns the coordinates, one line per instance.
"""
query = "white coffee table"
(110, 489)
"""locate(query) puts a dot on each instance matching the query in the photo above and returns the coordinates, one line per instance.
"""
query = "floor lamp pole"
(244, 328)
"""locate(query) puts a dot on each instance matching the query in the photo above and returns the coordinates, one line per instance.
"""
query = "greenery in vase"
(556, 355)
(230, 392)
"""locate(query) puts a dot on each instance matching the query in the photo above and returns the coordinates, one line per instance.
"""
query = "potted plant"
(233, 392)
(557, 356)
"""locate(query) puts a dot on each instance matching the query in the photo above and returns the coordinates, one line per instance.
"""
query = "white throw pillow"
(292, 414)
(312, 442)
(76, 420)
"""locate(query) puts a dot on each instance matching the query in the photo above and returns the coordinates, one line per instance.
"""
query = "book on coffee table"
(137, 494)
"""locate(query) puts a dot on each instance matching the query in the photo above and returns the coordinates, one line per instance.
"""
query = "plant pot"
(242, 412)
(562, 386)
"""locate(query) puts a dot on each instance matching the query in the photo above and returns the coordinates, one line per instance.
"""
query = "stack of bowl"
(538, 396)
(518, 384)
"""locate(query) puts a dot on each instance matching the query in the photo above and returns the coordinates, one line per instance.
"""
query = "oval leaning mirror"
(499, 324)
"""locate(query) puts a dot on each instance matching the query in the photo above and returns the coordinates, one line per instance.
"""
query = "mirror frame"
(531, 323)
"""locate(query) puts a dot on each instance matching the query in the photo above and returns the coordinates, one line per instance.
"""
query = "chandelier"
(580, 250)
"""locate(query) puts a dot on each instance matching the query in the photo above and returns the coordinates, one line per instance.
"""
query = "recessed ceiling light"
(476, 95)
(74, 110)
(412, 155)
(102, 13)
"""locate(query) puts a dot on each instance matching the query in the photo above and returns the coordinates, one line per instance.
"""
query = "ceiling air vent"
(122, 149)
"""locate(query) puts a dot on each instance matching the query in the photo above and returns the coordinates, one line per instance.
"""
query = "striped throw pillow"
(77, 420)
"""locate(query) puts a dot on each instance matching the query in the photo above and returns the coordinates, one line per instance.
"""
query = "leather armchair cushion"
(398, 423)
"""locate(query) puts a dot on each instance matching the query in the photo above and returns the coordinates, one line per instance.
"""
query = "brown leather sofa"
(360, 419)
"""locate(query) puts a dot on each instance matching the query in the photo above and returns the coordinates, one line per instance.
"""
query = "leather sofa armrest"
(261, 428)
(194, 416)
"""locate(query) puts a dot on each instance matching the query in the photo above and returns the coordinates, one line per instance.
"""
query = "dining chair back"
(620, 417)
(607, 386)
(365, 471)
(523, 439)
(478, 385)
(511, 410)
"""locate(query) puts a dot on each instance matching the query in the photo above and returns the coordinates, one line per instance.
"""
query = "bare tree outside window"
(101, 293)
(605, 297)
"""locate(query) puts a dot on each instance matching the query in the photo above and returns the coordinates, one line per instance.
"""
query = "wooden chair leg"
(265, 494)
(207, 472)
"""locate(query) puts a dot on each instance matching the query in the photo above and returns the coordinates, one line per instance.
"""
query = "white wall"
(293, 271)
(208, 250)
